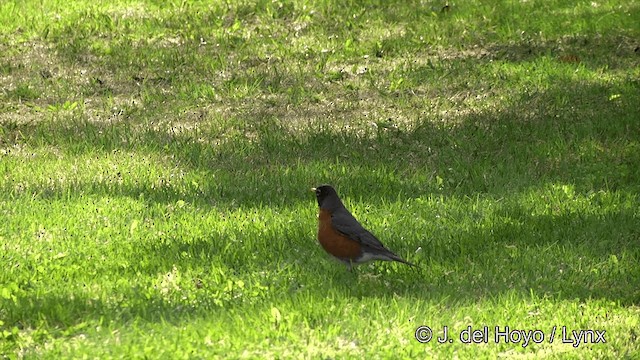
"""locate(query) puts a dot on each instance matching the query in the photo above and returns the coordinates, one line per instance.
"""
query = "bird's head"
(327, 197)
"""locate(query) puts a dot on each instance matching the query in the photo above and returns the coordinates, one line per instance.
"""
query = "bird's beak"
(313, 189)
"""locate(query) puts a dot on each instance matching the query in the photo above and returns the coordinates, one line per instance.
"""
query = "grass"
(156, 156)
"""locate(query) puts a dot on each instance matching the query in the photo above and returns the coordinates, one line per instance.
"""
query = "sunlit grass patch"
(155, 161)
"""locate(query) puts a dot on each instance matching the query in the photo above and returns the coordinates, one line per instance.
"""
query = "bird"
(342, 236)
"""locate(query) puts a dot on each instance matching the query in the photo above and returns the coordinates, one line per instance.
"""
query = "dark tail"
(397, 258)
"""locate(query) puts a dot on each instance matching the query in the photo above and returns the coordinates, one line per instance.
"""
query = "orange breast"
(333, 242)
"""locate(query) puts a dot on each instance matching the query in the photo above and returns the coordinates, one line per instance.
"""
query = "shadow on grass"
(572, 134)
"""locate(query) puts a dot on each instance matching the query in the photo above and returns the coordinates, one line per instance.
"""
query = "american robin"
(342, 236)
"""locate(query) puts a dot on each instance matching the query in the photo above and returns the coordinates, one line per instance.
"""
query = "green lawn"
(156, 158)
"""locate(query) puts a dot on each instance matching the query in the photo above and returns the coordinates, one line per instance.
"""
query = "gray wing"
(346, 224)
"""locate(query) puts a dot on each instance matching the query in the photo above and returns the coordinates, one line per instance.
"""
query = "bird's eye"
(318, 192)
